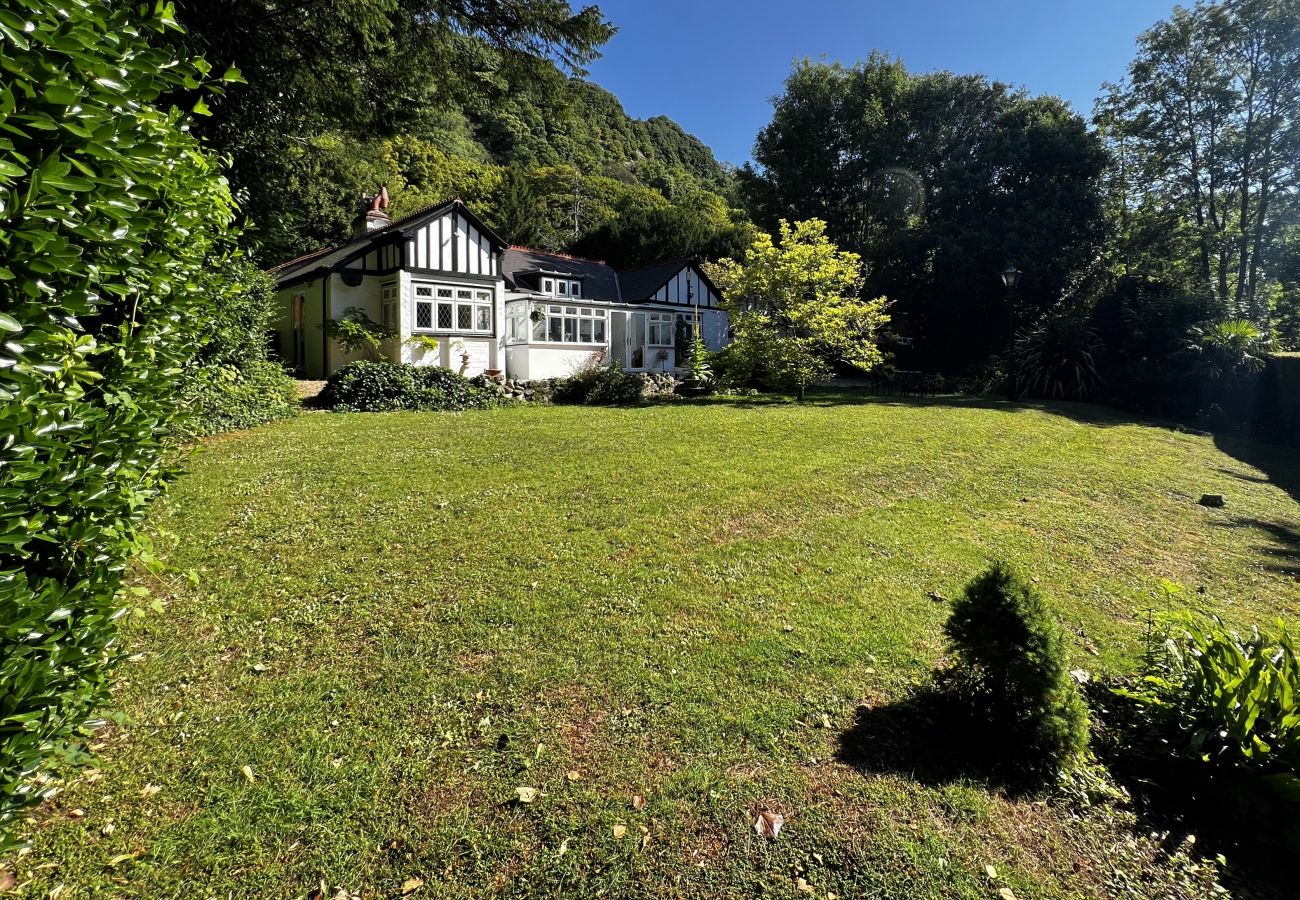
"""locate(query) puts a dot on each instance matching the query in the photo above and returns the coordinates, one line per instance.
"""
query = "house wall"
(452, 244)
(543, 361)
(364, 296)
(675, 290)
(714, 327)
(485, 352)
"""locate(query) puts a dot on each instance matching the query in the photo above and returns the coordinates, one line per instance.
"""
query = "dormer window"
(560, 287)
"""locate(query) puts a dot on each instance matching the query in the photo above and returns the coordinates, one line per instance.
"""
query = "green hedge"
(109, 214)
(229, 398)
(1284, 395)
(231, 382)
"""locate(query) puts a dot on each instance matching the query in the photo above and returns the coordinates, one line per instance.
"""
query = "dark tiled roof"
(599, 281)
(641, 284)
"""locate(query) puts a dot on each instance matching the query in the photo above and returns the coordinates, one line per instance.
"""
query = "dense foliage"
(232, 383)
(938, 181)
(796, 310)
(109, 213)
(439, 99)
(600, 385)
(1205, 134)
(1211, 730)
(387, 386)
(1011, 667)
(1224, 698)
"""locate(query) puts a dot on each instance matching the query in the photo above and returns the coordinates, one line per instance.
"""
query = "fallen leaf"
(526, 794)
(564, 847)
(1006, 894)
(411, 885)
(76, 814)
(637, 801)
(56, 893)
(248, 773)
(990, 871)
(825, 721)
(149, 790)
(619, 831)
(769, 824)
(7, 880)
(804, 886)
(575, 775)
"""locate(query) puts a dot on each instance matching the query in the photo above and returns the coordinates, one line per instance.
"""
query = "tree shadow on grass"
(1280, 465)
(1085, 413)
(933, 738)
(1283, 547)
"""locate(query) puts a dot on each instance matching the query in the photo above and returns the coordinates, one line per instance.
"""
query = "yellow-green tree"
(797, 309)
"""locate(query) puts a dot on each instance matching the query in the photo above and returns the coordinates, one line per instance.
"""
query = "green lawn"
(662, 619)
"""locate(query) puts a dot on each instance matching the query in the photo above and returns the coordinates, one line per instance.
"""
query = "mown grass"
(660, 618)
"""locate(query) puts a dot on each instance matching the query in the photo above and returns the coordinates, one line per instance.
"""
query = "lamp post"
(1011, 279)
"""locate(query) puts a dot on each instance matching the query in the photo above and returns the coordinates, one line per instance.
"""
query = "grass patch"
(403, 617)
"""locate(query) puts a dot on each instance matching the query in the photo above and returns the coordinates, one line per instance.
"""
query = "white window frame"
(389, 298)
(457, 301)
(659, 320)
(561, 287)
(562, 324)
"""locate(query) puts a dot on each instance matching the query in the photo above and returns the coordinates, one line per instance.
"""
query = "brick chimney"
(374, 216)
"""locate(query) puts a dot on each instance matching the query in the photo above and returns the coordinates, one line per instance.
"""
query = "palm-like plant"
(1228, 348)
(1058, 359)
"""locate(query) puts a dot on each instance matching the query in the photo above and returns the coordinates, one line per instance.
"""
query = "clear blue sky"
(713, 65)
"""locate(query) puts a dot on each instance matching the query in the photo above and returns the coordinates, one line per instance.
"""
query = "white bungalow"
(455, 295)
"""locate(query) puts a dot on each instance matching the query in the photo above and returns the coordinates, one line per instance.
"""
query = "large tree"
(938, 181)
(344, 72)
(1207, 132)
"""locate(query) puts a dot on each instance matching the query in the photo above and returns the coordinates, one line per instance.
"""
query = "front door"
(299, 328)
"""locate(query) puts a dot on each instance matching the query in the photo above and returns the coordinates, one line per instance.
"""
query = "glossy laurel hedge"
(108, 212)
(388, 386)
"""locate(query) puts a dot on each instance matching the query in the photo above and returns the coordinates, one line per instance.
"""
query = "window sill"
(421, 332)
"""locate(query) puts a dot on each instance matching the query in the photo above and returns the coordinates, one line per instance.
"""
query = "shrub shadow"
(1280, 465)
(933, 738)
